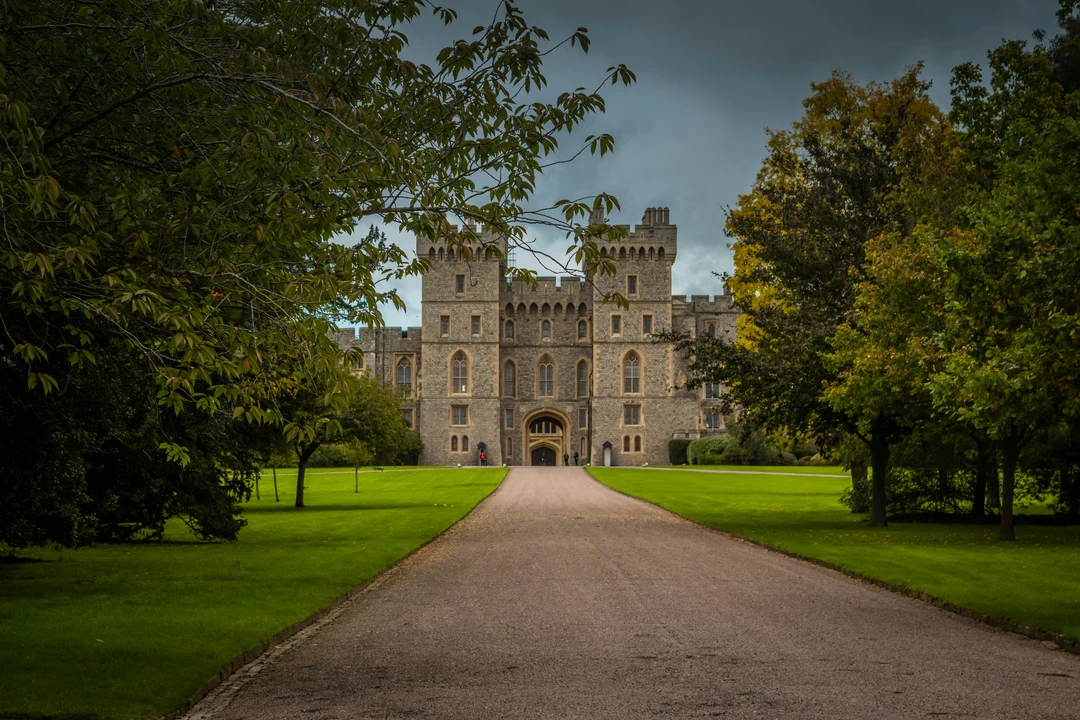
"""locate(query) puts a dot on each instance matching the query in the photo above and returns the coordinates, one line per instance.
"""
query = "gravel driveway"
(560, 598)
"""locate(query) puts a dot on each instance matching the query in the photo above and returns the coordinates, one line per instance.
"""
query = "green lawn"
(1034, 581)
(134, 630)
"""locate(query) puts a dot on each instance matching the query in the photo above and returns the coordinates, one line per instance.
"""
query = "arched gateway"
(545, 440)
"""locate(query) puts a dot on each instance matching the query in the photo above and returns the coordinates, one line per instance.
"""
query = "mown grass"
(1034, 581)
(132, 631)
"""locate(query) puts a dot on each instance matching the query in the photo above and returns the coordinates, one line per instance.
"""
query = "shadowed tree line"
(908, 278)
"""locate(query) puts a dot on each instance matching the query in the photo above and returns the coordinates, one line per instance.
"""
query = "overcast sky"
(711, 76)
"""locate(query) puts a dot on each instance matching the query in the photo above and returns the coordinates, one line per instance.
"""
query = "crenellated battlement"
(480, 245)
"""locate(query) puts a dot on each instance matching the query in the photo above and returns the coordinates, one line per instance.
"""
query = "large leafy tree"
(173, 174)
(827, 187)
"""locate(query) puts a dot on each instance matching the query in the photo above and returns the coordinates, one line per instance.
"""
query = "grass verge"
(132, 631)
(1034, 581)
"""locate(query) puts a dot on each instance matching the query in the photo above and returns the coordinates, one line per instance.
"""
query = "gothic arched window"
(637, 443)
(632, 373)
(582, 379)
(453, 443)
(509, 380)
(404, 377)
(625, 443)
(461, 373)
(464, 443)
(547, 377)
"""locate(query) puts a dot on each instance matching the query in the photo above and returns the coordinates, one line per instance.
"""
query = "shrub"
(805, 450)
(714, 444)
(787, 458)
(676, 451)
(330, 456)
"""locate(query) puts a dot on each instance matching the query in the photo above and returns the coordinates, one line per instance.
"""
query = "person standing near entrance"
(565, 459)
(575, 458)
(483, 458)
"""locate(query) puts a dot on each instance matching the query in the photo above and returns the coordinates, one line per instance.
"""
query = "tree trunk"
(276, 498)
(257, 475)
(879, 469)
(982, 471)
(303, 455)
(301, 468)
(860, 491)
(993, 485)
(1010, 450)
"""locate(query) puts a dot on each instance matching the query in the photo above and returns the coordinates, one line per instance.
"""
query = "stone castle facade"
(550, 374)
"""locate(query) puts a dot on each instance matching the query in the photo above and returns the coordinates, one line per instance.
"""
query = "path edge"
(244, 659)
(1000, 623)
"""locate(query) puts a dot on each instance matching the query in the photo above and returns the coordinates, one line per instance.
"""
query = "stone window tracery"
(404, 377)
(632, 373)
(546, 377)
(461, 373)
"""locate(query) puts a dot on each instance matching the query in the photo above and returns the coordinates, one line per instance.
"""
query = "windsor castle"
(550, 374)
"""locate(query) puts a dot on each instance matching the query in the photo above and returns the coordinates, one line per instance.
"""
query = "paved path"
(559, 598)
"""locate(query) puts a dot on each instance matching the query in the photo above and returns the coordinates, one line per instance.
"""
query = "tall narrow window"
(404, 377)
(582, 329)
(453, 443)
(616, 324)
(712, 390)
(632, 374)
(509, 447)
(460, 284)
(631, 284)
(712, 420)
(406, 417)
(547, 377)
(637, 443)
(584, 450)
(509, 380)
(625, 443)
(510, 329)
(509, 419)
(632, 415)
(646, 324)
(461, 373)
(583, 418)
(444, 325)
(464, 443)
(710, 329)
(475, 324)
(545, 330)
(360, 363)
(582, 379)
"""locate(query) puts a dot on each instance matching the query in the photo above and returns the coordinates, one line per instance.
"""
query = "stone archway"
(546, 434)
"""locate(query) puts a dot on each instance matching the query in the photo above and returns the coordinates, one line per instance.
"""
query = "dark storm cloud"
(711, 77)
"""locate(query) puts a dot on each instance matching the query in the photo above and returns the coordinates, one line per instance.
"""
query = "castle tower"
(635, 405)
(459, 389)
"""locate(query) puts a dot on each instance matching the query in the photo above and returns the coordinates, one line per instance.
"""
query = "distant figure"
(575, 458)
(565, 459)
(483, 459)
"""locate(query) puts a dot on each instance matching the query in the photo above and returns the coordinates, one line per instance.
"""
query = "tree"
(1011, 259)
(827, 187)
(174, 174)
(353, 408)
